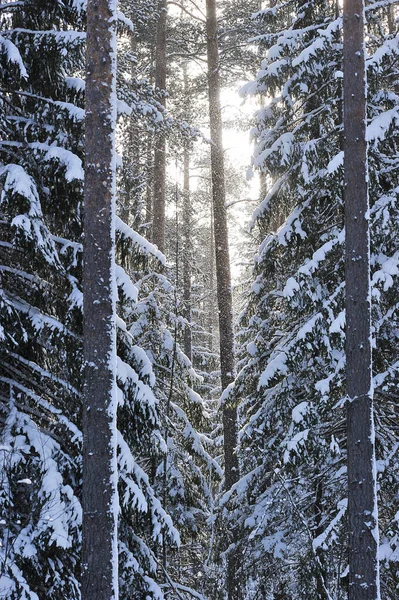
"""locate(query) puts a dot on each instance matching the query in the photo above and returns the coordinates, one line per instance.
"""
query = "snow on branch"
(75, 83)
(128, 23)
(126, 284)
(139, 241)
(143, 492)
(44, 374)
(68, 159)
(276, 365)
(30, 224)
(196, 440)
(143, 393)
(13, 55)
(68, 37)
(320, 541)
(380, 126)
(390, 48)
(40, 320)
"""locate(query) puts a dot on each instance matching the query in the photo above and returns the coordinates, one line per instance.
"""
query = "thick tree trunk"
(99, 495)
(159, 196)
(362, 504)
(223, 278)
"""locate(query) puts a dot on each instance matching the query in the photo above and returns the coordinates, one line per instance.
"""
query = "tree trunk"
(320, 572)
(99, 494)
(211, 302)
(362, 503)
(159, 197)
(132, 208)
(188, 351)
(187, 227)
(391, 19)
(149, 189)
(223, 278)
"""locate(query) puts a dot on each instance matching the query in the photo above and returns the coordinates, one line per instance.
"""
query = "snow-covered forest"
(199, 294)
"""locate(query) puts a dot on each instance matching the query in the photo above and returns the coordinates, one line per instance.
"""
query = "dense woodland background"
(282, 523)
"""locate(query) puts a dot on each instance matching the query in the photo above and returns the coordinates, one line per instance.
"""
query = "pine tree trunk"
(99, 494)
(223, 278)
(159, 196)
(362, 503)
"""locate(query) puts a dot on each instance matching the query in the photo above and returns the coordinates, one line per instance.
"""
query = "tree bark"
(99, 493)
(159, 196)
(362, 504)
(223, 277)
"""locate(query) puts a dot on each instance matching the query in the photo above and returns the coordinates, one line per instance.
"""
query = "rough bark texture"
(223, 278)
(362, 509)
(158, 228)
(99, 496)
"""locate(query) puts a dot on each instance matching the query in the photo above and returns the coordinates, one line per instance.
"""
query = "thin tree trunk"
(362, 503)
(211, 306)
(321, 578)
(131, 210)
(188, 350)
(148, 191)
(159, 196)
(99, 494)
(187, 228)
(391, 19)
(223, 277)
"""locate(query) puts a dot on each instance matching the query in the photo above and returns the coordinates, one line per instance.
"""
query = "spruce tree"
(291, 501)
(181, 465)
(41, 180)
(41, 322)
